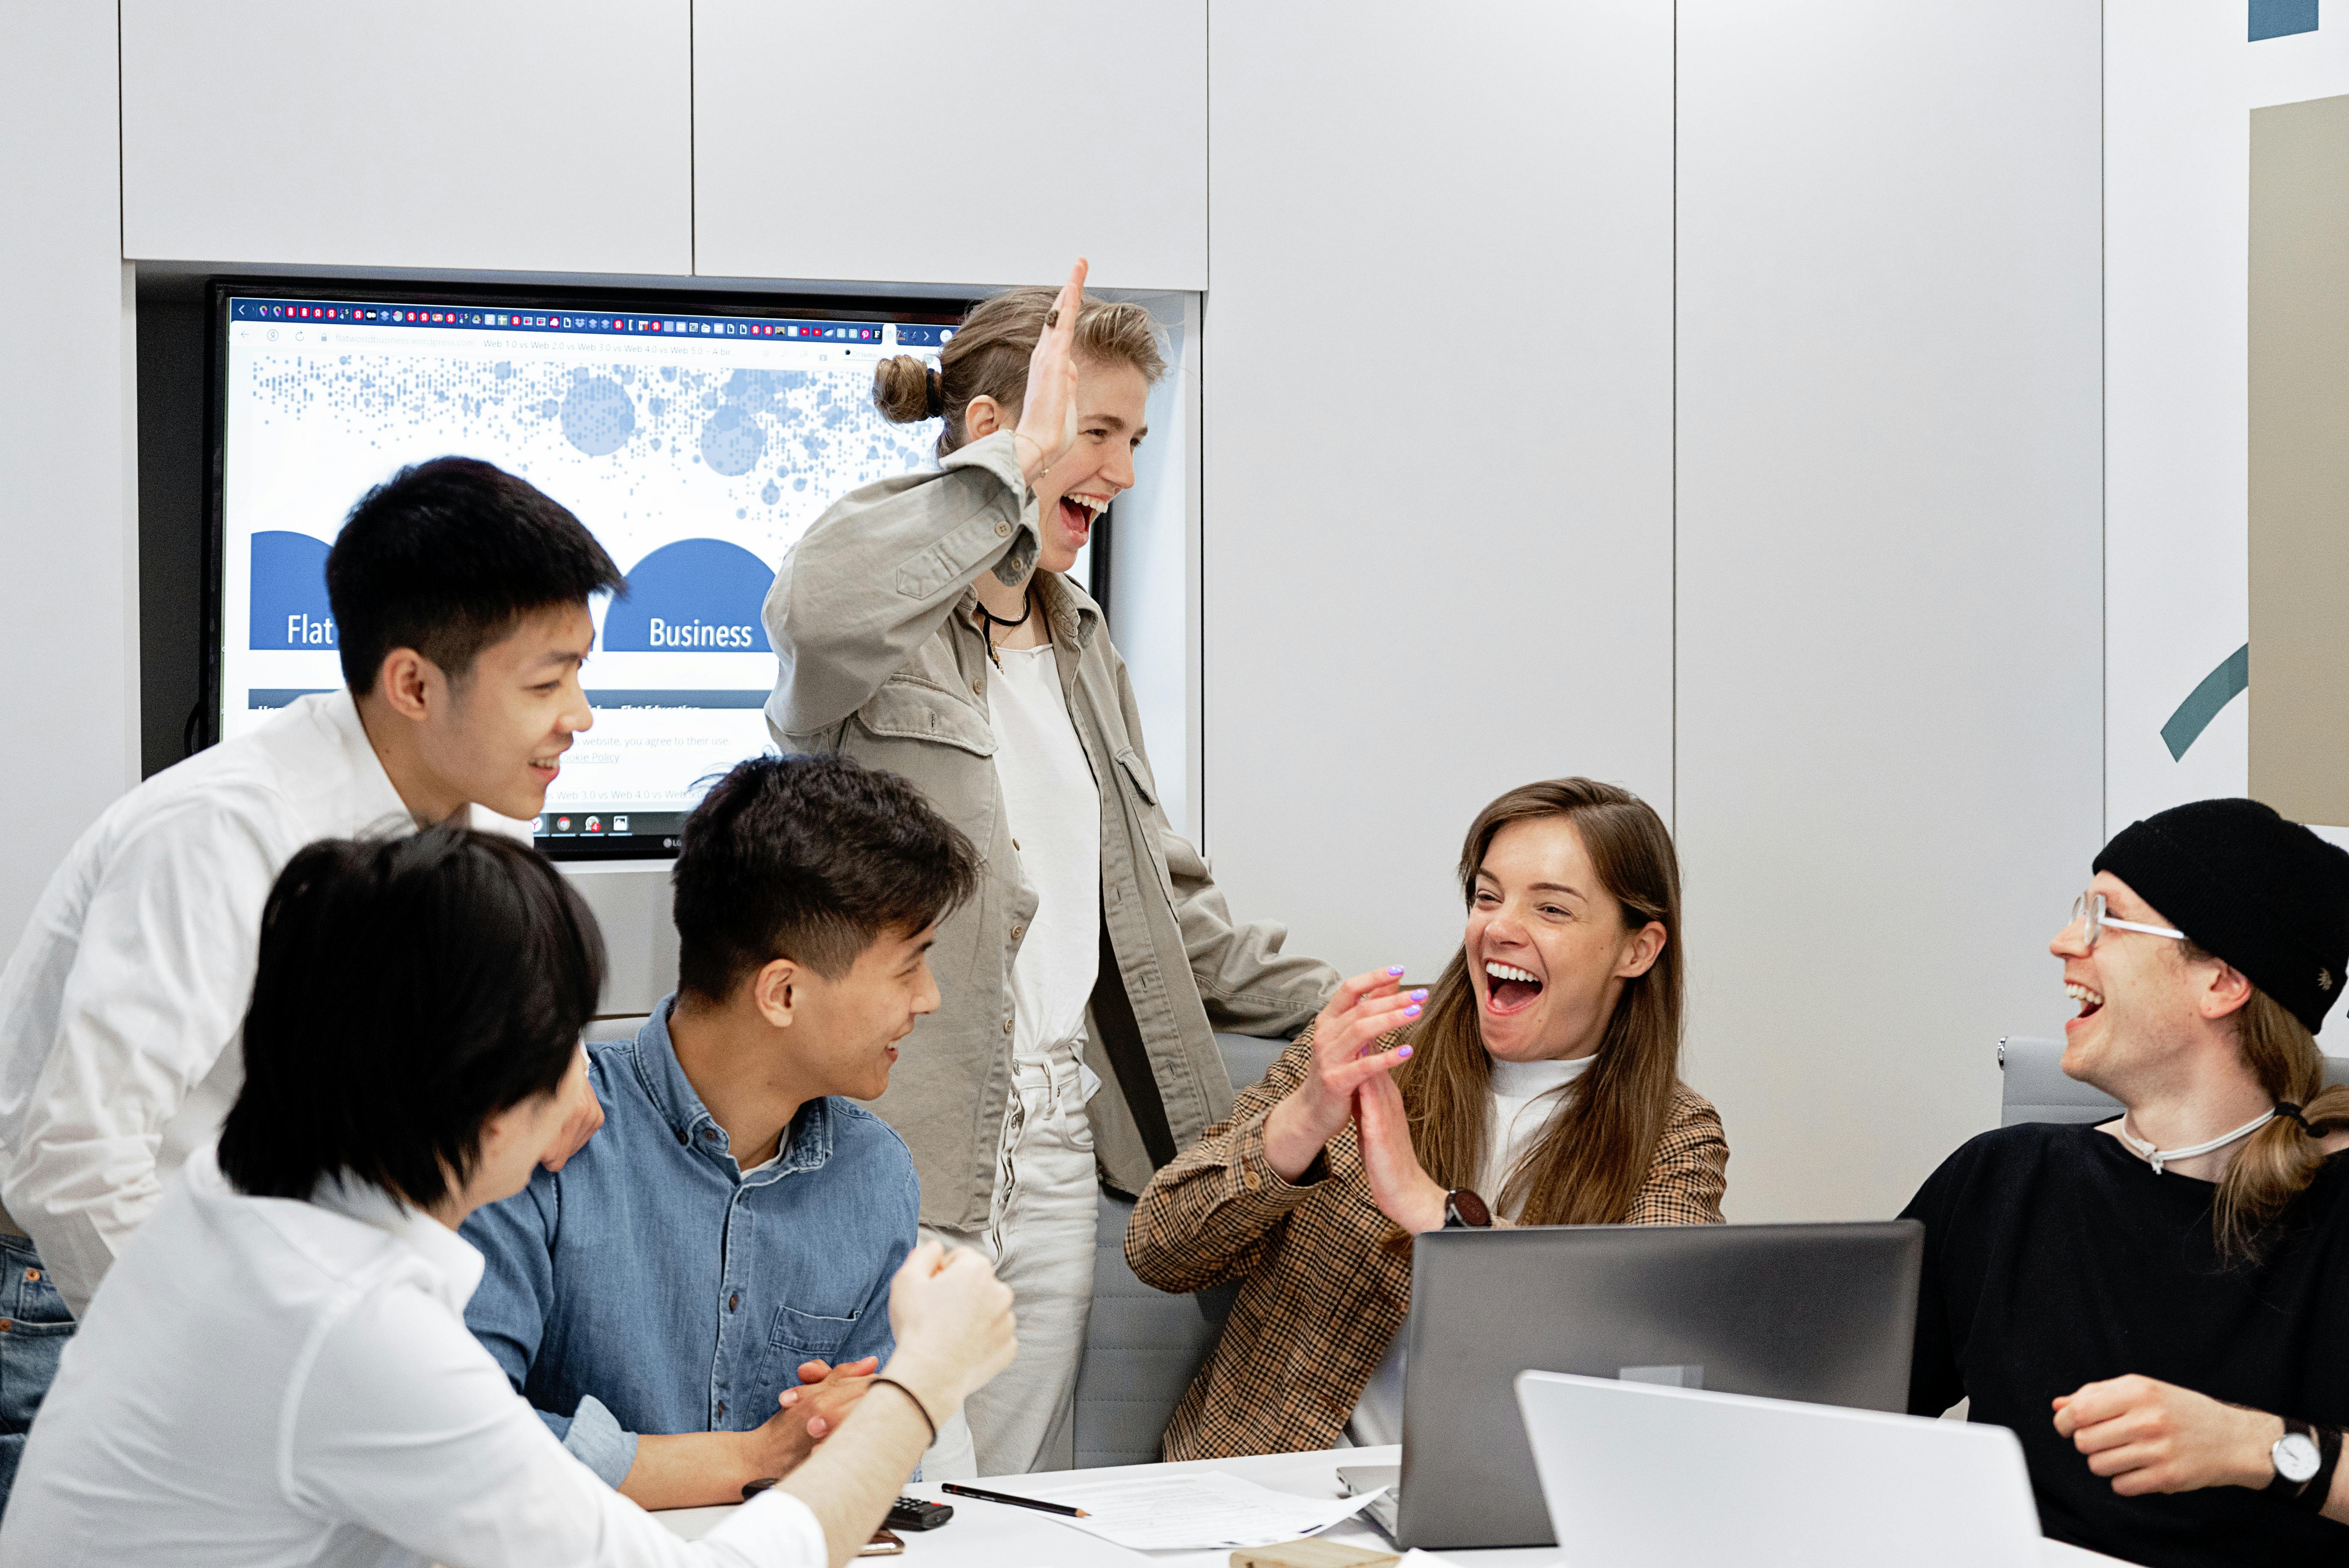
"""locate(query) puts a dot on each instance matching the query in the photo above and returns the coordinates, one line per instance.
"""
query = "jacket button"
(6, 1325)
(1016, 931)
(1002, 529)
(680, 1137)
(1006, 1026)
(1015, 843)
(721, 1410)
(978, 689)
(31, 1277)
(733, 1300)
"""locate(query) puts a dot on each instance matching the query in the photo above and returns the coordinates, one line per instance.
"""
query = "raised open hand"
(1405, 1192)
(1047, 412)
(1359, 1011)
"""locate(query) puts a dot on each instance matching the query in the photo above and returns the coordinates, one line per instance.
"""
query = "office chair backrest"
(2034, 1089)
(1143, 1346)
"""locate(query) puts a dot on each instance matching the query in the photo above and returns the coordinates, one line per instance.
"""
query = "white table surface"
(992, 1535)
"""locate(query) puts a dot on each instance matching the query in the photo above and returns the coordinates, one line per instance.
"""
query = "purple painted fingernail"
(1419, 996)
(1411, 1011)
(1394, 968)
(1401, 1051)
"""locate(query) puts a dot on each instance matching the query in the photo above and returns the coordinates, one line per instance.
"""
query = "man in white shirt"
(459, 598)
(278, 1375)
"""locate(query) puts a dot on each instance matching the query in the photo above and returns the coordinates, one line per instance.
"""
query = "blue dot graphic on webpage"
(696, 448)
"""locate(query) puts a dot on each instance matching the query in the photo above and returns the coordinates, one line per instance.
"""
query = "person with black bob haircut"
(747, 1211)
(278, 1373)
(458, 597)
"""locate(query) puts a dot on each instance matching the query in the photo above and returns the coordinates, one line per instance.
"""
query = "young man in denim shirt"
(702, 1291)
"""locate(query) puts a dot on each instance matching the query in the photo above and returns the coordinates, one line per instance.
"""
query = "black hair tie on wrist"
(2285, 1107)
(919, 1408)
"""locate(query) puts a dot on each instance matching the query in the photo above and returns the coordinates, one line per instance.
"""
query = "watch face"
(2295, 1456)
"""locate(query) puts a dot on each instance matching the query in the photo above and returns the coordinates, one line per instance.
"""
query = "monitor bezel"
(220, 288)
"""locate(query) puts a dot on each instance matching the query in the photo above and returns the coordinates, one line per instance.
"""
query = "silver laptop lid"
(1637, 1474)
(1824, 1312)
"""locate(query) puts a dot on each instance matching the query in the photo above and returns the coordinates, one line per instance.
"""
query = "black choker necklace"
(993, 621)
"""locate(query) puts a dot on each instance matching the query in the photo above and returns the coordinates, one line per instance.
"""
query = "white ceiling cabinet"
(518, 135)
(926, 141)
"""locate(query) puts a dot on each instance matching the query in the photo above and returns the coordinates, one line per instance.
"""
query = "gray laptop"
(1823, 1313)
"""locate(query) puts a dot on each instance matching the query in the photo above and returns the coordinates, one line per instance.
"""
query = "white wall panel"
(927, 142)
(1889, 720)
(70, 639)
(1437, 554)
(549, 135)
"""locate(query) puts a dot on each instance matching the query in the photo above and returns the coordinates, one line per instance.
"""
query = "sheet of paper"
(1189, 1510)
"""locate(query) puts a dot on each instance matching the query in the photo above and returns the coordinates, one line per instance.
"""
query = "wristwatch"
(1464, 1211)
(2295, 1456)
(2304, 1459)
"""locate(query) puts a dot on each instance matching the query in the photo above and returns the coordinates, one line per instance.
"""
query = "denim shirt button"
(734, 1300)
(721, 1410)
(680, 1136)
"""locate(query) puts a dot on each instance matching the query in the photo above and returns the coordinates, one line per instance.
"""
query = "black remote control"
(913, 1513)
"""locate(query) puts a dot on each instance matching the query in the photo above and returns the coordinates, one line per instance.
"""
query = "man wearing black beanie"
(2170, 1287)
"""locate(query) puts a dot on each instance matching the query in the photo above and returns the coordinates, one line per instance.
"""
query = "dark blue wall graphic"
(2282, 19)
(696, 595)
(289, 593)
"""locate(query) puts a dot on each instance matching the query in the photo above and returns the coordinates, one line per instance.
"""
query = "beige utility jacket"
(882, 656)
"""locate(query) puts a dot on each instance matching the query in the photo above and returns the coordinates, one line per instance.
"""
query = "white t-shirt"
(272, 1384)
(1525, 1094)
(1054, 805)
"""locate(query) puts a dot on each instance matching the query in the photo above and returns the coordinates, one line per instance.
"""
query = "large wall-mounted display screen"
(697, 444)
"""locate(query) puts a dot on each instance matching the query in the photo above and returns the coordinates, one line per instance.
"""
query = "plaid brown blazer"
(1324, 1277)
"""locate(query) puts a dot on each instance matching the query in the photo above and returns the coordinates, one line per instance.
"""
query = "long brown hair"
(1593, 1156)
(2276, 1163)
(988, 357)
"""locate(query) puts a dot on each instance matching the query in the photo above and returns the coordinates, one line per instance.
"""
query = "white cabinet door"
(925, 141)
(523, 135)
(1438, 371)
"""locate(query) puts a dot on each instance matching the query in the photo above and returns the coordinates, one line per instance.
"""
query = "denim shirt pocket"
(809, 1336)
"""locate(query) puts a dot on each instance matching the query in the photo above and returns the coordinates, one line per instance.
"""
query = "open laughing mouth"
(1509, 989)
(2091, 1001)
(1077, 513)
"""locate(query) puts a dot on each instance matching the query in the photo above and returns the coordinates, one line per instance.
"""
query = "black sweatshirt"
(2055, 1257)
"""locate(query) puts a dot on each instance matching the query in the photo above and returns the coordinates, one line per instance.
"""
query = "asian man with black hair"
(277, 1374)
(461, 597)
(697, 1298)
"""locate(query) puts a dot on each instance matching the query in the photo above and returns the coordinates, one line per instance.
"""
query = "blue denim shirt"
(653, 1287)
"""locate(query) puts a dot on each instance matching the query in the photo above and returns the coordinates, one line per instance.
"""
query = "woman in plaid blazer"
(1536, 1084)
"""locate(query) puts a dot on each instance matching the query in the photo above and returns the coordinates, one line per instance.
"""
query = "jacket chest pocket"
(809, 1335)
(938, 741)
(1134, 773)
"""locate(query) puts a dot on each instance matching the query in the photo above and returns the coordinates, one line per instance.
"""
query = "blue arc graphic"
(2220, 687)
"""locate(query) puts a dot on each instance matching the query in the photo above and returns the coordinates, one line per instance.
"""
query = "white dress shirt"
(266, 1384)
(119, 1005)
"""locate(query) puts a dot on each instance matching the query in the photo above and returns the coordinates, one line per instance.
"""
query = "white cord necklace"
(2158, 1157)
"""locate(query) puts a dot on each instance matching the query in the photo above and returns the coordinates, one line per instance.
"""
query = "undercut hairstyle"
(988, 357)
(409, 989)
(809, 858)
(445, 558)
(1588, 1164)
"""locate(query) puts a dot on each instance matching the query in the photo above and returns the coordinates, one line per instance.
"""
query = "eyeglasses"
(2090, 907)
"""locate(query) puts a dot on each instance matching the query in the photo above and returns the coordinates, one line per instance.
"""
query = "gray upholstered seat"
(2034, 1089)
(1143, 1347)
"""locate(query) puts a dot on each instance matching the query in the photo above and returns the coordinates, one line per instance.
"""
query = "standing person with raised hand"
(460, 594)
(927, 624)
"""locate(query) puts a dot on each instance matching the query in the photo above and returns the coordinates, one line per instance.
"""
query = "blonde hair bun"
(906, 390)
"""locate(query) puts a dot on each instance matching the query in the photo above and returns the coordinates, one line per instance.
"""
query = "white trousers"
(1040, 1238)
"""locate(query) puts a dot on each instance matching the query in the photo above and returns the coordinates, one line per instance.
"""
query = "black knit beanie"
(2267, 895)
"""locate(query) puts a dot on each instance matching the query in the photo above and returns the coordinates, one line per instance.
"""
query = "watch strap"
(2312, 1497)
